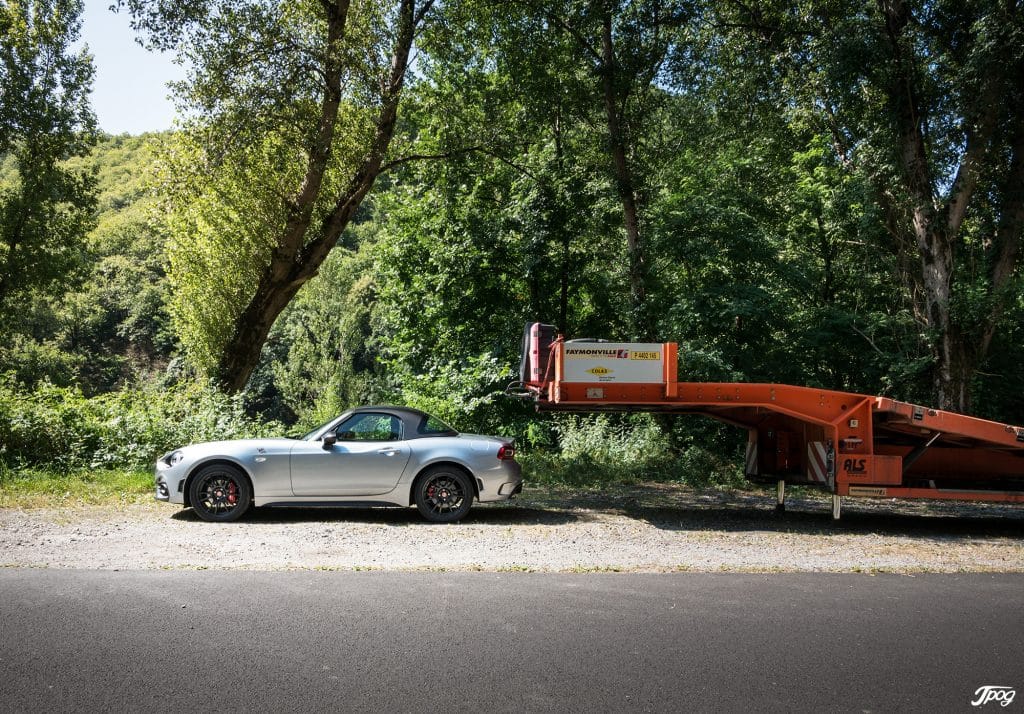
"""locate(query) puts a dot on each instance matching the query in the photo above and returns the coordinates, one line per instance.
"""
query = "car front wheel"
(443, 495)
(220, 493)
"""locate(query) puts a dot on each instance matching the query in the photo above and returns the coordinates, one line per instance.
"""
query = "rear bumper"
(500, 483)
(510, 489)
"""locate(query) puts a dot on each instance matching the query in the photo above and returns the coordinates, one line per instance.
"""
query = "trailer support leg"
(780, 496)
(837, 504)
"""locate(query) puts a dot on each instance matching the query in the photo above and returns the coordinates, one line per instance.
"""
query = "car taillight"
(507, 451)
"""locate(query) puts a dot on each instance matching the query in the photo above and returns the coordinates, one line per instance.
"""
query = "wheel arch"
(215, 461)
(427, 468)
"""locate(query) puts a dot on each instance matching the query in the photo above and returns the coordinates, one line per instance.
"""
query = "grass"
(39, 488)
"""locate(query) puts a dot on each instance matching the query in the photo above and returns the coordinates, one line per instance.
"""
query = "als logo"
(993, 693)
(855, 466)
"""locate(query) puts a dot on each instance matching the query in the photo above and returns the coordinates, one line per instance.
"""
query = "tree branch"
(869, 341)
(301, 207)
(428, 157)
(564, 25)
(978, 141)
(1008, 234)
(314, 253)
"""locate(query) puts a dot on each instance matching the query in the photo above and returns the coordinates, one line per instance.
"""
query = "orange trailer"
(847, 444)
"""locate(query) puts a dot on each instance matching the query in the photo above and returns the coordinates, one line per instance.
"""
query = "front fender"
(268, 473)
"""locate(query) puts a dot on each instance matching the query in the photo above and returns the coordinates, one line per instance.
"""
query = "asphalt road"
(484, 642)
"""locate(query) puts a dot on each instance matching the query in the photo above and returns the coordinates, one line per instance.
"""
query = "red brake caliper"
(232, 492)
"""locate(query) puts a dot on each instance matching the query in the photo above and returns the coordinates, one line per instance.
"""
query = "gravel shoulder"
(641, 528)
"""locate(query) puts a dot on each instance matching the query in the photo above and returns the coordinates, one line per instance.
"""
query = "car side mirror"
(329, 440)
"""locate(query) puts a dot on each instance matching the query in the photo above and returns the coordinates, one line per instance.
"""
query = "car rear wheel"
(220, 493)
(443, 495)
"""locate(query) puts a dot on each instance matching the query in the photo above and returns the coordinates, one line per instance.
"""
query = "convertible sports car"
(370, 456)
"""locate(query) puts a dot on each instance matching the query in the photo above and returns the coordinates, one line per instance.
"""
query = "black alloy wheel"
(220, 493)
(443, 495)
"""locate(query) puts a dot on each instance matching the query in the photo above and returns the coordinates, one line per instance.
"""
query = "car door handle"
(390, 451)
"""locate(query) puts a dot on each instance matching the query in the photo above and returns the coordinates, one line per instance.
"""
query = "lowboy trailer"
(846, 444)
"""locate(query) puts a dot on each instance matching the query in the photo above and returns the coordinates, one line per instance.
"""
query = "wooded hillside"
(372, 198)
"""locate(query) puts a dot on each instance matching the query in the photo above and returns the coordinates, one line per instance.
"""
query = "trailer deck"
(845, 443)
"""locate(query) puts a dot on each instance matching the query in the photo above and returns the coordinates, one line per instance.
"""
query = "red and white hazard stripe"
(751, 468)
(817, 463)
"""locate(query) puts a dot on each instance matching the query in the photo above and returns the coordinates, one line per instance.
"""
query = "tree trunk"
(563, 230)
(296, 259)
(642, 325)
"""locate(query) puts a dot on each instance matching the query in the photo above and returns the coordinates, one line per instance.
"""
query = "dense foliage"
(111, 327)
(45, 118)
(60, 428)
(739, 178)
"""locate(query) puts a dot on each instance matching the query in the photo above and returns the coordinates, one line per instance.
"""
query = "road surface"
(515, 642)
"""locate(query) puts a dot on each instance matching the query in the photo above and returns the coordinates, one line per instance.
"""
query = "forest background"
(364, 202)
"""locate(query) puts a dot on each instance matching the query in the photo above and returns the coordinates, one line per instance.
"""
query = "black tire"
(220, 493)
(443, 494)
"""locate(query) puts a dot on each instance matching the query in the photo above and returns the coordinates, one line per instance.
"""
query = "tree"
(45, 118)
(926, 101)
(624, 46)
(295, 107)
(572, 93)
(959, 138)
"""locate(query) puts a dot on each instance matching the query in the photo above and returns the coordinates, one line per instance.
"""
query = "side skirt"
(398, 497)
(330, 504)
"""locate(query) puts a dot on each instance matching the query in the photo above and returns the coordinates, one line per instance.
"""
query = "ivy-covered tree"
(294, 107)
(45, 118)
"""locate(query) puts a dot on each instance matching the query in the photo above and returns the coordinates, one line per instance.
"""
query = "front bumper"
(169, 483)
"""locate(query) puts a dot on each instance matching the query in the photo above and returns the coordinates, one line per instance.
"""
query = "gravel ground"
(648, 527)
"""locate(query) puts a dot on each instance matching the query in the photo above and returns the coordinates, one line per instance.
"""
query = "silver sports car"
(370, 456)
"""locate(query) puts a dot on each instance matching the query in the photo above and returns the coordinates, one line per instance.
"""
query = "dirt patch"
(649, 527)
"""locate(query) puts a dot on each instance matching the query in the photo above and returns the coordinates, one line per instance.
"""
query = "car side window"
(370, 427)
(432, 425)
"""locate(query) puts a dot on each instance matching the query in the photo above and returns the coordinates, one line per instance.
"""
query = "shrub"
(604, 449)
(612, 439)
(59, 428)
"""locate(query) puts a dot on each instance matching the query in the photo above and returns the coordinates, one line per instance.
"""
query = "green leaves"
(222, 220)
(45, 118)
(294, 107)
(60, 428)
(756, 145)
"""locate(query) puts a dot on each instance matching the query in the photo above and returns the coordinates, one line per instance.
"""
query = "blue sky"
(129, 93)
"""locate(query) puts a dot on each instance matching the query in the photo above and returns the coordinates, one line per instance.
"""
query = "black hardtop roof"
(392, 409)
(407, 414)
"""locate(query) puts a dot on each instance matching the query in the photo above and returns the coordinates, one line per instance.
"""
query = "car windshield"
(429, 426)
(310, 434)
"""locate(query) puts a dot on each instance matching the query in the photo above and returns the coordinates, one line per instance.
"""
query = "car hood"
(239, 446)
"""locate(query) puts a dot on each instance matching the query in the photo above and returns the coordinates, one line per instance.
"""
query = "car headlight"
(172, 458)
